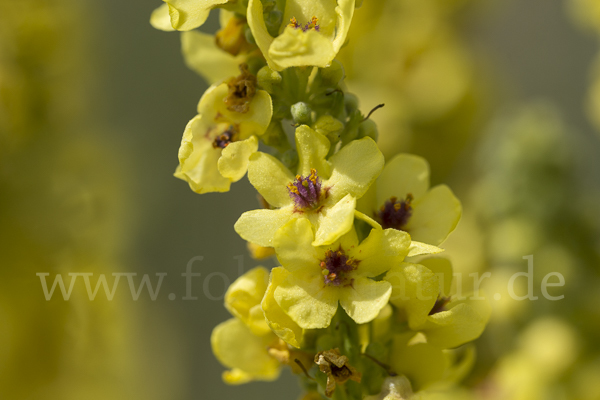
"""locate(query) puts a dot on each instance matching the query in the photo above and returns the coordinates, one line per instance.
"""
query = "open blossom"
(324, 191)
(310, 34)
(183, 15)
(218, 142)
(321, 276)
(242, 343)
(401, 199)
(421, 293)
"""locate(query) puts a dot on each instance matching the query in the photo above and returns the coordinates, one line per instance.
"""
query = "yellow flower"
(183, 15)
(324, 192)
(203, 54)
(310, 34)
(401, 199)
(320, 277)
(242, 343)
(421, 294)
(218, 142)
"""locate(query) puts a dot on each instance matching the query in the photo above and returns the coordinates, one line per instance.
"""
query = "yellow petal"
(345, 12)
(414, 291)
(442, 268)
(365, 298)
(160, 18)
(256, 22)
(235, 346)
(312, 149)
(418, 249)
(198, 160)
(279, 321)
(293, 245)
(355, 168)
(295, 48)
(245, 294)
(380, 251)
(435, 216)
(335, 221)
(403, 174)
(190, 14)
(259, 226)
(270, 178)
(203, 56)
(422, 363)
(233, 163)
(464, 321)
(307, 301)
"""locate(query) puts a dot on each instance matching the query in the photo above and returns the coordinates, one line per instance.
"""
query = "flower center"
(440, 305)
(241, 91)
(307, 192)
(224, 139)
(395, 214)
(312, 24)
(335, 268)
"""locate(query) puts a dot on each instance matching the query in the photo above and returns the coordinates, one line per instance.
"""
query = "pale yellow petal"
(160, 18)
(309, 302)
(283, 326)
(235, 346)
(190, 14)
(414, 291)
(259, 226)
(256, 22)
(295, 48)
(203, 56)
(404, 174)
(345, 12)
(380, 251)
(418, 249)
(464, 321)
(293, 246)
(335, 221)
(246, 293)
(435, 216)
(442, 268)
(365, 298)
(270, 178)
(355, 168)
(312, 149)
(233, 163)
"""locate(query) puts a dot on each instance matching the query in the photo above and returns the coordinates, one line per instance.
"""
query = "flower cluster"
(355, 308)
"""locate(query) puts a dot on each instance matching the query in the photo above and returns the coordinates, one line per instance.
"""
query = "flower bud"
(301, 113)
(351, 102)
(368, 128)
(268, 79)
(290, 159)
(329, 126)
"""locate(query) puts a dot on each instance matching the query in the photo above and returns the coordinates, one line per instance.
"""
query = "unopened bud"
(301, 113)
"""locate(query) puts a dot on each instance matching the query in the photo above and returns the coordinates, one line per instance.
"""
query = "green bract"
(345, 177)
(297, 43)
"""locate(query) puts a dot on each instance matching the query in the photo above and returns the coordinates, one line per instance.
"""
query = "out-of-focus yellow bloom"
(320, 277)
(242, 343)
(395, 388)
(183, 15)
(311, 33)
(401, 199)
(421, 292)
(324, 191)
(218, 142)
(203, 55)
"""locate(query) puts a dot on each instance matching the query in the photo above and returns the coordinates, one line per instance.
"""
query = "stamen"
(224, 139)
(395, 214)
(440, 305)
(312, 24)
(307, 192)
(336, 266)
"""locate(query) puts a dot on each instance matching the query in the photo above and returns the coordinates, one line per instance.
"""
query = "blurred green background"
(94, 102)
